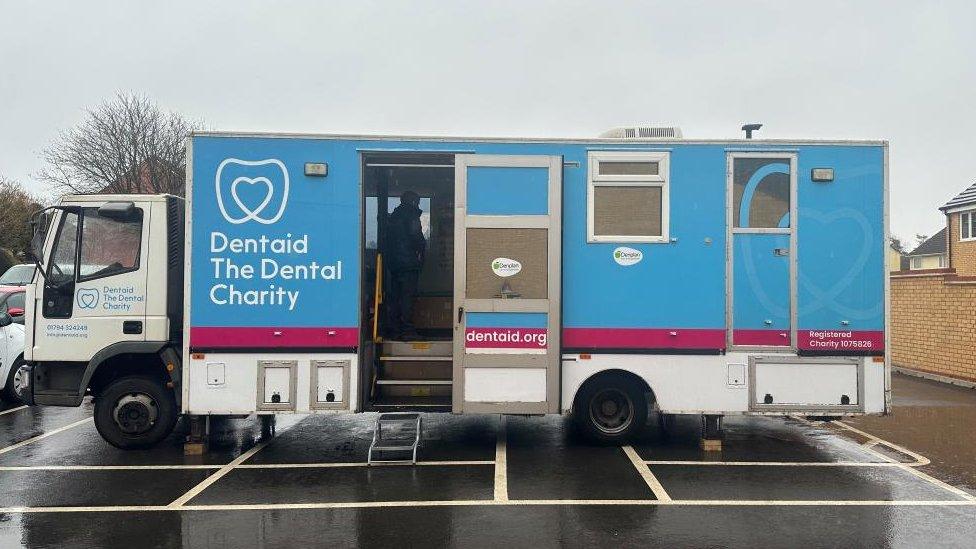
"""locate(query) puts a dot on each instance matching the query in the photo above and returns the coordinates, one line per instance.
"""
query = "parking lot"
(486, 481)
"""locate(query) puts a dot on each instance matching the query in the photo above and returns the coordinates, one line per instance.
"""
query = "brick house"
(961, 222)
(933, 310)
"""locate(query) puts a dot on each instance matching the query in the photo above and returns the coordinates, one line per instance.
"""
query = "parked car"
(12, 302)
(11, 356)
(18, 275)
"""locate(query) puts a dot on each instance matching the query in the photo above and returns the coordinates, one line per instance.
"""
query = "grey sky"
(902, 71)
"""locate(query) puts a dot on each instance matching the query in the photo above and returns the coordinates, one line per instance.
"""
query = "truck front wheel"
(135, 412)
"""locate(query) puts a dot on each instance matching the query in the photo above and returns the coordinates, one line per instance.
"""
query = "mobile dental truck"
(604, 278)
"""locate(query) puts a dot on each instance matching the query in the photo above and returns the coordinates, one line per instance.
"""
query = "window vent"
(643, 132)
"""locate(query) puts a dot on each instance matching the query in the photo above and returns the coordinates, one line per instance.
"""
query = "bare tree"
(16, 207)
(125, 145)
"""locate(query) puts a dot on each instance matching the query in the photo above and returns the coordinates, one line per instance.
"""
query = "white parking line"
(775, 463)
(205, 483)
(645, 472)
(104, 467)
(501, 461)
(488, 503)
(322, 465)
(23, 443)
(12, 410)
(326, 465)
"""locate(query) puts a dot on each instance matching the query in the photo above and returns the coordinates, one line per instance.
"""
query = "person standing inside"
(406, 251)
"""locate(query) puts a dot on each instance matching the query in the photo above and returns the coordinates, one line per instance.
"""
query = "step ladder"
(395, 434)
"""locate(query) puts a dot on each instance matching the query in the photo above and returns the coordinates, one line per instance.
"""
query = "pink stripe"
(273, 337)
(777, 338)
(840, 340)
(505, 338)
(644, 338)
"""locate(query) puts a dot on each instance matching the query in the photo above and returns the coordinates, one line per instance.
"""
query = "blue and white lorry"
(605, 278)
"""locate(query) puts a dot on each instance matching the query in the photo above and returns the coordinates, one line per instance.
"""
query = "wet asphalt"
(779, 482)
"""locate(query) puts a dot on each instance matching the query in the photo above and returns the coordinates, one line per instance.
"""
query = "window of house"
(916, 262)
(109, 246)
(627, 197)
(967, 225)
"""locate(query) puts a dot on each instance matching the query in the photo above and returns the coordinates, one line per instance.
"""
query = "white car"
(11, 356)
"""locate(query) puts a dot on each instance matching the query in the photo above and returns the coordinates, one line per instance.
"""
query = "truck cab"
(104, 312)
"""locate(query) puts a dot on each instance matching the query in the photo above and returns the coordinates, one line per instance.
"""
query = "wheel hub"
(611, 411)
(135, 413)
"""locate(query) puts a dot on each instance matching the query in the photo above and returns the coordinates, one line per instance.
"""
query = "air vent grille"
(643, 132)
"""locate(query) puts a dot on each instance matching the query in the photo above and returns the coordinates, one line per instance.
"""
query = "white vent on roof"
(643, 132)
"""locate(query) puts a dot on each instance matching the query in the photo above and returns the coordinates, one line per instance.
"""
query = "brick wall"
(962, 254)
(933, 323)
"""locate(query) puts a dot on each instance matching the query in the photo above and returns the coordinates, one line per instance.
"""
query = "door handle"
(460, 314)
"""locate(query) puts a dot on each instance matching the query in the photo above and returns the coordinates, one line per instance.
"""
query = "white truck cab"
(105, 311)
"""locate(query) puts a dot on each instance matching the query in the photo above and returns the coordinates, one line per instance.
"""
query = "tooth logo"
(250, 180)
(87, 298)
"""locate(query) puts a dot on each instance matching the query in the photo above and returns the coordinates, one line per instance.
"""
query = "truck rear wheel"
(610, 410)
(135, 412)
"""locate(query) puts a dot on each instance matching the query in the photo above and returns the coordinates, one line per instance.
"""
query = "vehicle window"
(18, 275)
(109, 246)
(16, 301)
(62, 267)
(627, 196)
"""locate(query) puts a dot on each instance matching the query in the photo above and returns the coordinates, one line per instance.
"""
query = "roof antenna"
(749, 128)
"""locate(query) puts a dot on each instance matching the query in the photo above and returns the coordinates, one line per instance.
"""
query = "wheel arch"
(127, 358)
(602, 375)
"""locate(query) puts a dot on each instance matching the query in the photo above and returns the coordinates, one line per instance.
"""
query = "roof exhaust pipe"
(749, 128)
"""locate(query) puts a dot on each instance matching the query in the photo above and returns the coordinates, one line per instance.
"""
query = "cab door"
(92, 292)
(507, 284)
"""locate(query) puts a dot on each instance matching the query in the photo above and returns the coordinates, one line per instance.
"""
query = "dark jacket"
(405, 242)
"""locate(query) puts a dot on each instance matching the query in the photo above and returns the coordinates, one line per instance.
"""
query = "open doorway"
(407, 357)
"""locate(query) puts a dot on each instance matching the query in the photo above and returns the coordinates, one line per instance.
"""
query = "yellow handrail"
(377, 298)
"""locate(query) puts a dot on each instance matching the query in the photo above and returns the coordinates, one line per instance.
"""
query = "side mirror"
(15, 311)
(5, 320)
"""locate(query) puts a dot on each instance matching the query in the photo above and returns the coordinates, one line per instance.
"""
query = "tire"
(147, 408)
(610, 410)
(7, 394)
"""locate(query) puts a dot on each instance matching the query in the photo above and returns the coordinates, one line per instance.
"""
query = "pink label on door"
(505, 338)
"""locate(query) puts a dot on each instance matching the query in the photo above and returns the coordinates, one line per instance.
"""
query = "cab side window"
(109, 246)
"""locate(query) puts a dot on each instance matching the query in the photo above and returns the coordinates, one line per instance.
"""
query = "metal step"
(418, 348)
(396, 433)
(397, 358)
(414, 382)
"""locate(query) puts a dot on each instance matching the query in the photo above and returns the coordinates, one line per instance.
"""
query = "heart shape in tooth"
(268, 195)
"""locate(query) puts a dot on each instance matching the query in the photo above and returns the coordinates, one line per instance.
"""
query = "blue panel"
(508, 191)
(506, 320)
(302, 243)
(676, 284)
(761, 287)
(841, 240)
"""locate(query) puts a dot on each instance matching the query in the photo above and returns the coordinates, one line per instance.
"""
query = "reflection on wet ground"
(777, 482)
(936, 419)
